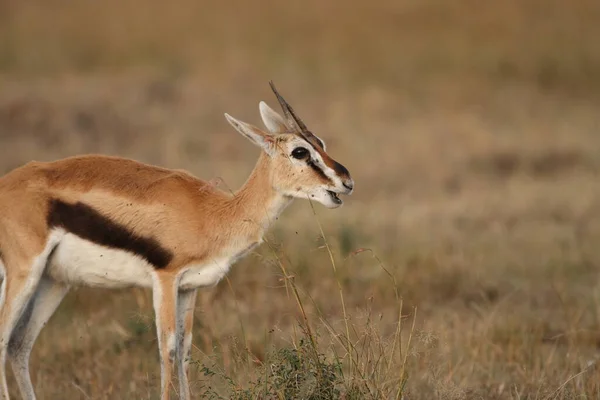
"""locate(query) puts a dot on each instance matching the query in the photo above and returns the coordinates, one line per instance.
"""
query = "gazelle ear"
(272, 120)
(252, 133)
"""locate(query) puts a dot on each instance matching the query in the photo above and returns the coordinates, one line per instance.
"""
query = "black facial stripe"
(319, 171)
(87, 223)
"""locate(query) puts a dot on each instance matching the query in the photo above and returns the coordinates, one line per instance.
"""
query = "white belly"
(209, 274)
(79, 262)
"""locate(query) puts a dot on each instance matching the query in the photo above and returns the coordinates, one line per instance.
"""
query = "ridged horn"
(288, 111)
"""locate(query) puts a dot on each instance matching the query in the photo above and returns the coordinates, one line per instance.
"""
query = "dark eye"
(300, 153)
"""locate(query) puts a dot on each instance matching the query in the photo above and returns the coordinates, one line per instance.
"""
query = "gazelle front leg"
(164, 294)
(185, 320)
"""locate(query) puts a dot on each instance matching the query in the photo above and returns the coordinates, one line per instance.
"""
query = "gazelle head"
(299, 165)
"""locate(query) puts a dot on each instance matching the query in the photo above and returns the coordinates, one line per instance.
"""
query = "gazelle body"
(112, 222)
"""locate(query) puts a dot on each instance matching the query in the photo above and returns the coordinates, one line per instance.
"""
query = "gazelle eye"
(300, 153)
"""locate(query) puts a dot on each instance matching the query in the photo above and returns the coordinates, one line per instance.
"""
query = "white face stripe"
(319, 190)
(329, 172)
(317, 160)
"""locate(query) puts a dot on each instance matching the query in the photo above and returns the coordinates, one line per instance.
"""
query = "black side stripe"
(87, 223)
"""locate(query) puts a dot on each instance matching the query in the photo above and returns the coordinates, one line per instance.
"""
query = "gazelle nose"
(349, 184)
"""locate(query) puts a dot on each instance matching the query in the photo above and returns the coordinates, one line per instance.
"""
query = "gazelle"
(112, 222)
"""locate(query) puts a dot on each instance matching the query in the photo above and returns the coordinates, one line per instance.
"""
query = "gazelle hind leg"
(3, 385)
(46, 299)
(21, 280)
(19, 291)
(185, 319)
(3, 285)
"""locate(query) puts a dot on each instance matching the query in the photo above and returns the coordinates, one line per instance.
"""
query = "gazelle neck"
(258, 202)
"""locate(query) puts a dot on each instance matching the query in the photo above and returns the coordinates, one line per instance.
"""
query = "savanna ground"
(471, 129)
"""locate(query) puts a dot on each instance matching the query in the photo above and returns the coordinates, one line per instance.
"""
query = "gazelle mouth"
(334, 197)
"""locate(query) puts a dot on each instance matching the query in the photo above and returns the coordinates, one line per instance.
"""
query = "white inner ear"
(251, 132)
(272, 120)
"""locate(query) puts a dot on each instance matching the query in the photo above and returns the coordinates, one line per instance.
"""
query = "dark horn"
(288, 110)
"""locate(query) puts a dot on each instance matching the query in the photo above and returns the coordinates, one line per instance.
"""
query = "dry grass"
(470, 127)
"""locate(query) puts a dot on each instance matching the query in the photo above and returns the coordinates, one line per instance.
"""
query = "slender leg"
(48, 296)
(185, 319)
(164, 294)
(19, 285)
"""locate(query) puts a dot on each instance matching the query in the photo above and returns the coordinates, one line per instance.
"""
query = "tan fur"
(190, 218)
(167, 322)
(171, 206)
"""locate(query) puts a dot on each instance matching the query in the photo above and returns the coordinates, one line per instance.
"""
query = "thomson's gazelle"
(112, 222)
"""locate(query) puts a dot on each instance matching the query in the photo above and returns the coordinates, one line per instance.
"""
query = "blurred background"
(471, 128)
